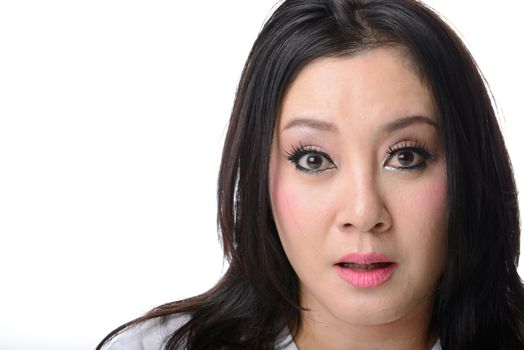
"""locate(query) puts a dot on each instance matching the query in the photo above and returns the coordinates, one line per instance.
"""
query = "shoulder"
(148, 335)
(286, 344)
(152, 334)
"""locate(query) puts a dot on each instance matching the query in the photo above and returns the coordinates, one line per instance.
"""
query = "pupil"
(314, 161)
(406, 158)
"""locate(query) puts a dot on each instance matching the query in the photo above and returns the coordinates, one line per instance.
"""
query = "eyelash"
(419, 148)
(297, 153)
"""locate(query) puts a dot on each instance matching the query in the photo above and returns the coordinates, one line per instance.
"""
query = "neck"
(410, 332)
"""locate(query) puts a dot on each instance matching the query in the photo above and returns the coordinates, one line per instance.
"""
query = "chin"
(370, 313)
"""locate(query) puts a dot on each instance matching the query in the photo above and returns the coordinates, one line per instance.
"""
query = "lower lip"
(366, 278)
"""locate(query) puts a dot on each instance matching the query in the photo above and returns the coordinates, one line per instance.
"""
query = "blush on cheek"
(291, 206)
(436, 197)
(428, 200)
(278, 193)
(286, 206)
(428, 219)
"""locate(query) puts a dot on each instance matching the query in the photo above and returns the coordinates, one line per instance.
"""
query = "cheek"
(429, 202)
(297, 210)
(423, 220)
(288, 207)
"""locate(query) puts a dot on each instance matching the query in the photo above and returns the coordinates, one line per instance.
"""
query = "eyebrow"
(311, 124)
(395, 125)
(404, 122)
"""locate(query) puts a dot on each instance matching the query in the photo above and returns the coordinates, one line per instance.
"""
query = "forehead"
(374, 87)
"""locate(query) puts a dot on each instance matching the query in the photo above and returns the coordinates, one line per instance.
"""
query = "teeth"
(365, 266)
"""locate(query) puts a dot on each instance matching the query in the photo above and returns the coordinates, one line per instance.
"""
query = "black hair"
(479, 301)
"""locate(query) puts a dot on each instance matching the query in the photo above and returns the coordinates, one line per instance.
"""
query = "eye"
(310, 159)
(406, 157)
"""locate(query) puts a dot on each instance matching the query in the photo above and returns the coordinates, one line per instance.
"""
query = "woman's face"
(358, 188)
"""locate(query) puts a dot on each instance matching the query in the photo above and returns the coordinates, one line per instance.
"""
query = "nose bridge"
(362, 205)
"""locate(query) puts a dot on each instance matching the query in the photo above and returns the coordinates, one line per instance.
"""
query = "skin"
(347, 113)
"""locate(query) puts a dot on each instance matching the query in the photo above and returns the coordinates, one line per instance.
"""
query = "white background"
(112, 118)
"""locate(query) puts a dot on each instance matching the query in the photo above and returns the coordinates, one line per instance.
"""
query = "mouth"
(365, 270)
(356, 266)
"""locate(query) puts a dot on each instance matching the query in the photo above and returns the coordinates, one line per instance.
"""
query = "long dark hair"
(479, 301)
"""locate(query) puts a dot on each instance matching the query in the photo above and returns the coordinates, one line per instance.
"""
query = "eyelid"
(296, 153)
(305, 149)
(414, 146)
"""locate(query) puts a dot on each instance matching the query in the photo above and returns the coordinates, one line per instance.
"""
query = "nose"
(362, 205)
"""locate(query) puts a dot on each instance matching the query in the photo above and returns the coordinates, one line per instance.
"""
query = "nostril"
(368, 221)
(380, 227)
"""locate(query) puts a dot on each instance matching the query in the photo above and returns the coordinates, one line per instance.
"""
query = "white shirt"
(150, 335)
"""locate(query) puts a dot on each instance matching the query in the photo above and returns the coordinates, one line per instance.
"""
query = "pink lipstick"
(365, 270)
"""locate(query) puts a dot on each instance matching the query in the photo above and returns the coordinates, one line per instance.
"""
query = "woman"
(366, 198)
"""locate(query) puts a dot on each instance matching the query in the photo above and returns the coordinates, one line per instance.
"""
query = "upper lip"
(364, 258)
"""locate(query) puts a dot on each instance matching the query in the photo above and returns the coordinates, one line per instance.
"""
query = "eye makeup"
(404, 155)
(410, 156)
(310, 159)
